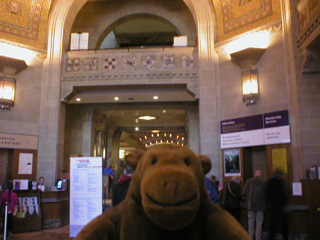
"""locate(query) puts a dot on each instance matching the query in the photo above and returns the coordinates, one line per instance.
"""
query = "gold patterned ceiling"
(25, 22)
(235, 17)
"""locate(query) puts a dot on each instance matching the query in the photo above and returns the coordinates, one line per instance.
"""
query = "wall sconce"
(247, 60)
(8, 68)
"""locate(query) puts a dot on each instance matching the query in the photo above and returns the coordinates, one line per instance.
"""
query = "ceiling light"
(155, 131)
(152, 135)
(155, 97)
(116, 98)
(182, 138)
(78, 99)
(147, 118)
(165, 134)
(137, 129)
(164, 111)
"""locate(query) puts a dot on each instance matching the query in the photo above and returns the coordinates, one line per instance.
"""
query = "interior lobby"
(99, 78)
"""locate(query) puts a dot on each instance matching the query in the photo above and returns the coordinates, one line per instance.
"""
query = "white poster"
(297, 189)
(25, 163)
(85, 191)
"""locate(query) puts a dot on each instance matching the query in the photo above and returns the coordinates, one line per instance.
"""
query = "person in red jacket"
(12, 199)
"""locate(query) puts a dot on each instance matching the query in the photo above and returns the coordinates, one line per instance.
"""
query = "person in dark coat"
(233, 197)
(121, 187)
(254, 193)
(277, 196)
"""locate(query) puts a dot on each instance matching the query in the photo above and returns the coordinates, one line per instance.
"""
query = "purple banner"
(276, 119)
(242, 124)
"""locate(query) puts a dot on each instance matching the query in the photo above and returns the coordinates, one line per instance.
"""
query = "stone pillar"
(115, 151)
(87, 133)
(99, 124)
(192, 120)
(110, 130)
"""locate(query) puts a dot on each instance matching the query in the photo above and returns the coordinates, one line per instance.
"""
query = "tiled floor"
(61, 233)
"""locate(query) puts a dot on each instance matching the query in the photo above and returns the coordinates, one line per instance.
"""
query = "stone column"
(87, 133)
(99, 124)
(110, 130)
(192, 120)
(115, 151)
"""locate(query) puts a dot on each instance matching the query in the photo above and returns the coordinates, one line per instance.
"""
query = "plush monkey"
(166, 200)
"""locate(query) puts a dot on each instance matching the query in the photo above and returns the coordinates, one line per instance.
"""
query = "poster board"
(232, 162)
(85, 191)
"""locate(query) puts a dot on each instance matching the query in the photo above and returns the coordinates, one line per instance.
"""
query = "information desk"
(54, 208)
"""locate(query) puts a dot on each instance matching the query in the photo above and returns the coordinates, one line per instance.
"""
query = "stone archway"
(117, 22)
(52, 110)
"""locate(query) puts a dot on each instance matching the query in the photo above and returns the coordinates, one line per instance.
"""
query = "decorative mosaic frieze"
(110, 63)
(187, 62)
(148, 62)
(167, 62)
(129, 63)
(91, 64)
(73, 65)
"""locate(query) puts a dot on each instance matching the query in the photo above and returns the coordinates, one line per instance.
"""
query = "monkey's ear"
(133, 157)
(205, 162)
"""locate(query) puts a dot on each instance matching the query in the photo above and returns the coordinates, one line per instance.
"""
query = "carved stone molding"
(310, 61)
(66, 90)
(308, 12)
(162, 75)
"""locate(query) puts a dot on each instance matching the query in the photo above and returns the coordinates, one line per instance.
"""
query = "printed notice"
(296, 189)
(25, 163)
(85, 191)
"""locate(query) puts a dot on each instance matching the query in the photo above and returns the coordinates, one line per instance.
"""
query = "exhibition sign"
(85, 191)
(262, 129)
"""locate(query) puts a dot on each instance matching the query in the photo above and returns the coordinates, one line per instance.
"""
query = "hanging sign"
(262, 129)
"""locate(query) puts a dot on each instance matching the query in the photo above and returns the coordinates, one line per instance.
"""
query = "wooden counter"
(54, 208)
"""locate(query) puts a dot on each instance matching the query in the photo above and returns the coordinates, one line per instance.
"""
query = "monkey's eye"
(187, 161)
(154, 161)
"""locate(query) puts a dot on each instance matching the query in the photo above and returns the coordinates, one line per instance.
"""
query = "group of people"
(256, 196)
(120, 188)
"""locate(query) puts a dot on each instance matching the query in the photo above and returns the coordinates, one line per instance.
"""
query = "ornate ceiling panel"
(235, 17)
(25, 22)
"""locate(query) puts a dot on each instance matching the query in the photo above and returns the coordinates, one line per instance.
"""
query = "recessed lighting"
(116, 98)
(147, 118)
(164, 111)
(155, 97)
(78, 99)
(137, 129)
